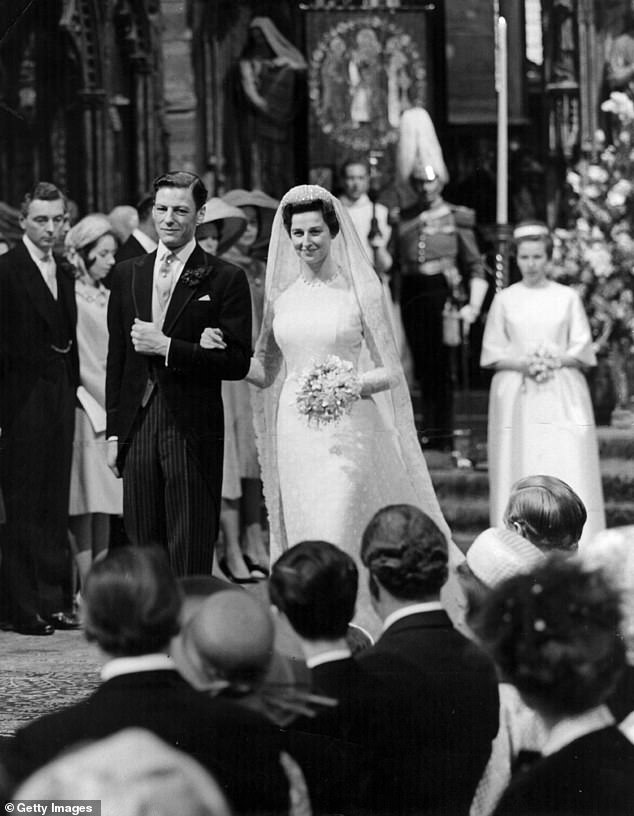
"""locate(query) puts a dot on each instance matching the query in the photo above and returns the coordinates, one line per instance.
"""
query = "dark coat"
(28, 329)
(591, 775)
(190, 384)
(450, 689)
(239, 747)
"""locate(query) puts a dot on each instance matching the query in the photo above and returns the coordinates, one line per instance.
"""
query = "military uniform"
(439, 256)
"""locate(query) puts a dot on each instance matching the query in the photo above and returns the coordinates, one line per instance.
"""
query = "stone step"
(617, 476)
(472, 515)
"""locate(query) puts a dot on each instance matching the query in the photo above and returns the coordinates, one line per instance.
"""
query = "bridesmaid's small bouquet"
(327, 391)
(542, 364)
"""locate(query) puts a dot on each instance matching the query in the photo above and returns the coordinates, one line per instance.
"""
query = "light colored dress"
(93, 486)
(541, 428)
(332, 478)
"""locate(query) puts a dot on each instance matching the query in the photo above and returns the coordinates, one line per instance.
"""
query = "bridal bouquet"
(542, 364)
(327, 391)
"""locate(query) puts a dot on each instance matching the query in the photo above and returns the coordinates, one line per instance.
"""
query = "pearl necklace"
(318, 281)
(100, 295)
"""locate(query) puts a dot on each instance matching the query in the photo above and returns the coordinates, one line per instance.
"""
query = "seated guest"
(543, 514)
(448, 684)
(132, 773)
(613, 552)
(131, 608)
(313, 586)
(546, 511)
(227, 647)
(555, 635)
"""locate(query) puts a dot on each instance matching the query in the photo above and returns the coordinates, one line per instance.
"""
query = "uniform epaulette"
(465, 216)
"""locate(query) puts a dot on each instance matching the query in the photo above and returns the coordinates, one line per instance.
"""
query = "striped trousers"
(166, 500)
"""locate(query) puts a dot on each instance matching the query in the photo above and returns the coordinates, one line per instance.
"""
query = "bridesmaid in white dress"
(323, 298)
(540, 427)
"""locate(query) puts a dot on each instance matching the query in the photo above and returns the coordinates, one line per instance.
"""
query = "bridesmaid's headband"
(533, 230)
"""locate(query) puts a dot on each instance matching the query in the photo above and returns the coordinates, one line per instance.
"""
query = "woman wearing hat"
(95, 493)
(538, 341)
(249, 252)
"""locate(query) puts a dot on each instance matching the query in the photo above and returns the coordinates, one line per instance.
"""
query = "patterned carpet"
(39, 675)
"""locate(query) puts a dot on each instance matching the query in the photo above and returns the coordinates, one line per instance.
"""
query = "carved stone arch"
(84, 23)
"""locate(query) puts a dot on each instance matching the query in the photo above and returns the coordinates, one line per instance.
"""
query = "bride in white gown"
(323, 298)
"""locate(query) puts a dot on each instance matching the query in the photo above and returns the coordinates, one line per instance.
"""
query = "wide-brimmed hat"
(233, 220)
(265, 204)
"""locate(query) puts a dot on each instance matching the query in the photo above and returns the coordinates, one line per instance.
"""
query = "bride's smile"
(311, 238)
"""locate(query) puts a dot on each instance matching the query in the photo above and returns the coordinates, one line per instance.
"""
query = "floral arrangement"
(542, 364)
(595, 252)
(327, 391)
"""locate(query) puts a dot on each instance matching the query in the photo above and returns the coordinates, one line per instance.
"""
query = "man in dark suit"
(131, 605)
(39, 373)
(448, 684)
(313, 586)
(163, 401)
(143, 238)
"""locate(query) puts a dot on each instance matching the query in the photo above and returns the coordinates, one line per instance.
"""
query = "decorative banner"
(364, 71)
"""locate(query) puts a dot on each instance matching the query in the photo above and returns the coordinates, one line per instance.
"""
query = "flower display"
(192, 277)
(595, 252)
(327, 391)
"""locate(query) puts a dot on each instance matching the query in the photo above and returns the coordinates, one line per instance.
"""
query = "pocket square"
(204, 297)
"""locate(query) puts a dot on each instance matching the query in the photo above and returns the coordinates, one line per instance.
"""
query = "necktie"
(165, 280)
(49, 270)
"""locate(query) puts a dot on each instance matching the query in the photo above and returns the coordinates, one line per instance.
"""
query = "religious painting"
(364, 71)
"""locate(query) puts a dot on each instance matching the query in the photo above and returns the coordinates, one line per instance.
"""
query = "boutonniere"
(192, 277)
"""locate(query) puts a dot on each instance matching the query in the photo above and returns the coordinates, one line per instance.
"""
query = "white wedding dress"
(333, 478)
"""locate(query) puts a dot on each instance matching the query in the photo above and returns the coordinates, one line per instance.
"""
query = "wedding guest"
(538, 341)
(612, 551)
(124, 220)
(131, 773)
(221, 227)
(39, 374)
(322, 300)
(448, 684)
(95, 492)
(554, 634)
(313, 586)
(249, 252)
(143, 237)
(131, 606)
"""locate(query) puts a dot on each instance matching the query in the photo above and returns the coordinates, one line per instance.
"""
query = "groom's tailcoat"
(209, 293)
(39, 373)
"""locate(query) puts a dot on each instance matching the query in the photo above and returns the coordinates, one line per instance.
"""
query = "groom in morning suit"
(164, 408)
(39, 373)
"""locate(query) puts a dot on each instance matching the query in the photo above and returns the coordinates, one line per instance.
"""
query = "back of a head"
(229, 638)
(547, 512)
(554, 634)
(132, 773)
(131, 602)
(406, 552)
(612, 551)
(124, 219)
(315, 585)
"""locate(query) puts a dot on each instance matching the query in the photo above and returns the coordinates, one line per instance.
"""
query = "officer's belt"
(436, 265)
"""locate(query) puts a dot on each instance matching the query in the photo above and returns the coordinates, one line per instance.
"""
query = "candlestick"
(501, 86)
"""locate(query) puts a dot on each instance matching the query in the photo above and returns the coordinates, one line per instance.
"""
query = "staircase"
(464, 493)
